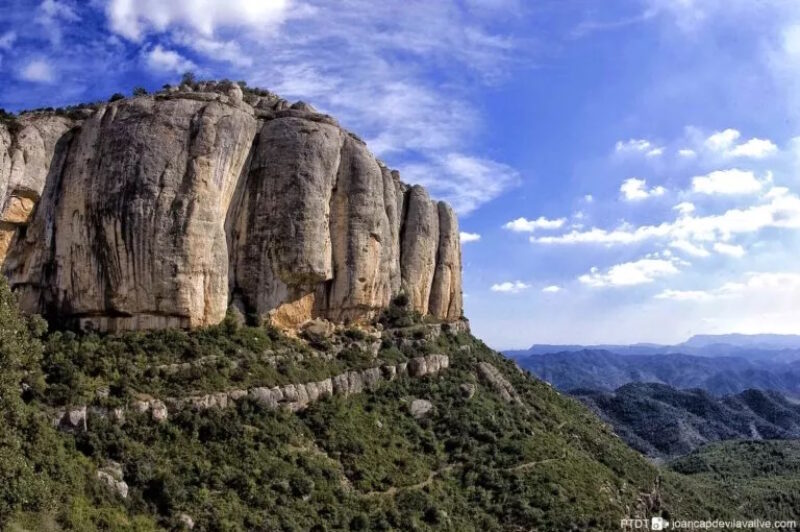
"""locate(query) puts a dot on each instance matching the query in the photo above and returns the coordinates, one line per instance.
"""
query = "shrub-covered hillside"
(475, 445)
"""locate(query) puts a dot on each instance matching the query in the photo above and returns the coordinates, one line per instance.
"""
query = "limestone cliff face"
(161, 211)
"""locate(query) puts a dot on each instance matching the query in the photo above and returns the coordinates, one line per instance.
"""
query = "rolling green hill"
(663, 422)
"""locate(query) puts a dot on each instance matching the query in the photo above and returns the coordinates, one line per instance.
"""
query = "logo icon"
(659, 523)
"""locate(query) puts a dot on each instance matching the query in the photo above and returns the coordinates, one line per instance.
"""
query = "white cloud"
(160, 59)
(7, 40)
(523, 225)
(133, 19)
(638, 272)
(634, 189)
(588, 198)
(687, 152)
(729, 249)
(655, 152)
(776, 209)
(38, 71)
(754, 148)
(635, 146)
(469, 237)
(552, 289)
(724, 142)
(510, 287)
(684, 208)
(688, 247)
(733, 181)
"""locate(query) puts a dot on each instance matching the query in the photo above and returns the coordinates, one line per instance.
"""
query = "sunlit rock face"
(163, 210)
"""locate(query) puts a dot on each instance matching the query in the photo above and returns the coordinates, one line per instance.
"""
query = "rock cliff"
(162, 210)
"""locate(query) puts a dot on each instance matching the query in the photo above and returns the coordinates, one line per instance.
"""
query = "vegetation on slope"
(760, 478)
(479, 459)
(45, 483)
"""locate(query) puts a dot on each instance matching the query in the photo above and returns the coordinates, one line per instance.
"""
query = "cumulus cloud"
(552, 289)
(725, 143)
(687, 152)
(638, 146)
(733, 181)
(635, 189)
(638, 272)
(160, 59)
(722, 140)
(38, 71)
(510, 287)
(523, 225)
(469, 237)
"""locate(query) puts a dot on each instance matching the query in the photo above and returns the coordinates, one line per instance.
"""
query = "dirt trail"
(434, 474)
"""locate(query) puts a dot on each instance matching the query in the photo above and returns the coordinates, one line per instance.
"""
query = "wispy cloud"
(7, 40)
(405, 80)
(38, 71)
(465, 181)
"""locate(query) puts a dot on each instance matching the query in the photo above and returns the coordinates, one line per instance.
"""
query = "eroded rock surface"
(165, 210)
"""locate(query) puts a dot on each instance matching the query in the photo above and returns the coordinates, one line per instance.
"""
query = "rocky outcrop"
(28, 147)
(111, 476)
(492, 376)
(293, 397)
(162, 211)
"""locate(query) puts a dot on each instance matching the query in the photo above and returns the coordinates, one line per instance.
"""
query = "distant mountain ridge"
(772, 347)
(663, 422)
(606, 371)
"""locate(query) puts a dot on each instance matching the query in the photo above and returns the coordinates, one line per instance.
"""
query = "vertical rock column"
(282, 247)
(420, 247)
(445, 302)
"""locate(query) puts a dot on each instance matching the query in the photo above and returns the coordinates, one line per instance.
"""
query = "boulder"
(420, 407)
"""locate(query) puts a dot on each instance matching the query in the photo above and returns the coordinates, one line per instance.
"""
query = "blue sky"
(624, 170)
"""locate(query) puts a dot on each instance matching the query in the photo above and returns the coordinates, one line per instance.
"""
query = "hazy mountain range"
(773, 347)
(607, 371)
